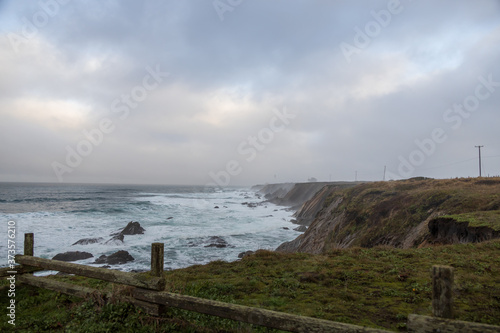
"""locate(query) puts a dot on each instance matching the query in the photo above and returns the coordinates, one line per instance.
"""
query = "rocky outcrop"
(133, 228)
(295, 194)
(72, 256)
(115, 240)
(117, 258)
(87, 241)
(314, 239)
(310, 209)
(445, 230)
(212, 241)
(216, 241)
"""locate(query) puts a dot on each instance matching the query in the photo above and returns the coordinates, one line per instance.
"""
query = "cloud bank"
(169, 92)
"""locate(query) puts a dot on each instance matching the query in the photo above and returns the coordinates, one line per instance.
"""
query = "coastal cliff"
(295, 195)
(403, 214)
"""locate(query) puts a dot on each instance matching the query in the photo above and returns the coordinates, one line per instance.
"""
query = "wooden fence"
(147, 293)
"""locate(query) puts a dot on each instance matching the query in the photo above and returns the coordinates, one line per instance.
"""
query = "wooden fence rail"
(251, 315)
(148, 294)
(130, 279)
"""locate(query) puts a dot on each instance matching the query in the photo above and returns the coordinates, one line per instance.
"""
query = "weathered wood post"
(442, 291)
(28, 244)
(157, 252)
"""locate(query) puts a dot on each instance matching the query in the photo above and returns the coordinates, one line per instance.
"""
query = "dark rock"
(446, 230)
(117, 258)
(133, 228)
(216, 241)
(285, 228)
(170, 218)
(302, 228)
(72, 256)
(216, 207)
(244, 254)
(101, 260)
(250, 204)
(213, 241)
(87, 241)
(116, 240)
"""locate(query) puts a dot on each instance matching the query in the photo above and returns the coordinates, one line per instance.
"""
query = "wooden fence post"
(28, 244)
(157, 252)
(442, 291)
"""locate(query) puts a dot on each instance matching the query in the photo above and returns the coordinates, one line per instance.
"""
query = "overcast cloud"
(256, 91)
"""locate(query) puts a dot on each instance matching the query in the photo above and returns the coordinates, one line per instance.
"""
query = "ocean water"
(184, 218)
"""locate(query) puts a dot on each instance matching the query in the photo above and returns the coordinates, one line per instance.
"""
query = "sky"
(240, 92)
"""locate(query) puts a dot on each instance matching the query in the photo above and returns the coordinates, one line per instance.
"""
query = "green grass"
(376, 287)
(490, 219)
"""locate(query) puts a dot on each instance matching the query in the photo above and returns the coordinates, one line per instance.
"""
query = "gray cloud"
(226, 80)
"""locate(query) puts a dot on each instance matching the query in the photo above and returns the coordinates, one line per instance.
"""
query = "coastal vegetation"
(376, 287)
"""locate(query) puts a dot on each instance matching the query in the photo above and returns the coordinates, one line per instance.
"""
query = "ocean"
(187, 219)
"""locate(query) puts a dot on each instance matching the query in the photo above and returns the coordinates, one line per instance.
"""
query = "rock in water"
(86, 241)
(116, 240)
(302, 228)
(216, 241)
(133, 228)
(117, 258)
(72, 256)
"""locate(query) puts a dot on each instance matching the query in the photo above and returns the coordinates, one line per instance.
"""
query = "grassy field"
(490, 219)
(375, 287)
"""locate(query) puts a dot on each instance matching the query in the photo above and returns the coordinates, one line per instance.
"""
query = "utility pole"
(385, 168)
(479, 147)
(356, 176)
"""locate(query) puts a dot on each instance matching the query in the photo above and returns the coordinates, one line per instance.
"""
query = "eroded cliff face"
(294, 195)
(396, 213)
(445, 230)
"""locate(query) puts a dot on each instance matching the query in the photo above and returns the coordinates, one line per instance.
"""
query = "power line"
(371, 173)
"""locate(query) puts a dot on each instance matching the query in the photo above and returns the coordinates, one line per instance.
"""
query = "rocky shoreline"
(117, 238)
(345, 214)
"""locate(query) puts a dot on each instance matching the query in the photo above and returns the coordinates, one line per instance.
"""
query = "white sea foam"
(183, 219)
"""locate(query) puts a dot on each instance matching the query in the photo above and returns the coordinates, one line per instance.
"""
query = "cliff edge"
(295, 195)
(403, 214)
